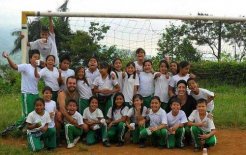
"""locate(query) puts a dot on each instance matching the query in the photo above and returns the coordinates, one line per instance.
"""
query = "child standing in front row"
(130, 83)
(136, 117)
(37, 128)
(176, 119)
(84, 86)
(158, 123)
(202, 127)
(161, 83)
(146, 83)
(117, 116)
(73, 131)
(93, 118)
(198, 93)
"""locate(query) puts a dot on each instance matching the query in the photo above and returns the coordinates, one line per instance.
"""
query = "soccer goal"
(127, 31)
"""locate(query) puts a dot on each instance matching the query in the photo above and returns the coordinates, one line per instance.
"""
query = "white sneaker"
(95, 127)
(71, 145)
(75, 141)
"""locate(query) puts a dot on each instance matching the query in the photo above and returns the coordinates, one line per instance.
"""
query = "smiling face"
(181, 89)
(71, 107)
(137, 102)
(201, 107)
(81, 73)
(155, 105)
(130, 69)
(47, 95)
(44, 35)
(34, 58)
(118, 65)
(173, 68)
(94, 104)
(71, 84)
(140, 56)
(193, 86)
(119, 101)
(50, 61)
(39, 107)
(163, 68)
(93, 64)
(147, 67)
(184, 71)
(175, 106)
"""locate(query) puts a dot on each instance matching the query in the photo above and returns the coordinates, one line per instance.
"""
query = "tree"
(176, 44)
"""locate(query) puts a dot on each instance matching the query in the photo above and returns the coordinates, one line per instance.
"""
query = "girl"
(176, 119)
(174, 68)
(130, 83)
(84, 89)
(50, 74)
(37, 128)
(158, 123)
(117, 116)
(183, 74)
(136, 117)
(117, 72)
(92, 71)
(161, 83)
(93, 118)
(146, 83)
(198, 93)
(73, 130)
(140, 53)
(105, 87)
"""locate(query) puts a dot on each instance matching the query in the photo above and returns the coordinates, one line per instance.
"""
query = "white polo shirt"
(128, 86)
(138, 67)
(92, 75)
(161, 87)
(78, 117)
(118, 113)
(194, 117)
(157, 118)
(132, 114)
(29, 83)
(92, 116)
(84, 89)
(50, 106)
(50, 78)
(34, 118)
(146, 84)
(178, 119)
(65, 75)
(119, 79)
(104, 83)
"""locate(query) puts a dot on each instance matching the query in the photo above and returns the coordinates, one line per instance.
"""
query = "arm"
(59, 79)
(135, 89)
(36, 74)
(45, 128)
(206, 136)
(170, 91)
(155, 128)
(51, 26)
(33, 126)
(11, 63)
(201, 124)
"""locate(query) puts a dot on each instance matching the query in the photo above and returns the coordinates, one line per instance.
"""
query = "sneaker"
(71, 145)
(106, 144)
(75, 141)
(120, 143)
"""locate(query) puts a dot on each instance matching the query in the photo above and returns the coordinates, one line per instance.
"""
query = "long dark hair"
(112, 67)
(114, 104)
(137, 96)
(84, 78)
(106, 65)
(134, 73)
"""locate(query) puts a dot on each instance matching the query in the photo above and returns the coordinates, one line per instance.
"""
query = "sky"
(10, 10)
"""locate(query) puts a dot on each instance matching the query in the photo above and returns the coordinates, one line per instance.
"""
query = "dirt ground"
(230, 142)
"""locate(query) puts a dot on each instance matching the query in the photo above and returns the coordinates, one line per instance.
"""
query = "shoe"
(106, 144)
(71, 145)
(120, 143)
(75, 141)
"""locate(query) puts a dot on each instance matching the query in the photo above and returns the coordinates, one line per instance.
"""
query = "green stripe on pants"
(160, 135)
(92, 135)
(176, 139)
(117, 132)
(72, 132)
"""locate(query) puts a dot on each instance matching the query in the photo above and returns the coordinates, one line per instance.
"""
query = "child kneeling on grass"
(73, 130)
(37, 128)
(202, 126)
(158, 123)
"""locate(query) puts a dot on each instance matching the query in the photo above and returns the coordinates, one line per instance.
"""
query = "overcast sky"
(10, 10)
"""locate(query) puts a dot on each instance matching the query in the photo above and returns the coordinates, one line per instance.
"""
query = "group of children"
(112, 102)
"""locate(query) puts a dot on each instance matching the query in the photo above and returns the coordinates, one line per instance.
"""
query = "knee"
(85, 127)
(59, 117)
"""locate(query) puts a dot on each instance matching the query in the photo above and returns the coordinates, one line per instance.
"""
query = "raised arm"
(11, 63)
(51, 26)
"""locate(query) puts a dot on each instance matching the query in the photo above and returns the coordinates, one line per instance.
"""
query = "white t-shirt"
(65, 75)
(92, 75)
(50, 78)
(194, 117)
(104, 83)
(118, 113)
(161, 87)
(157, 118)
(128, 86)
(175, 79)
(50, 107)
(92, 116)
(34, 118)
(29, 83)
(84, 89)
(146, 84)
(119, 79)
(131, 114)
(138, 67)
(46, 49)
(77, 116)
(204, 93)
(178, 119)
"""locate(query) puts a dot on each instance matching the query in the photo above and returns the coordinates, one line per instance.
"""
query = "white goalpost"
(26, 14)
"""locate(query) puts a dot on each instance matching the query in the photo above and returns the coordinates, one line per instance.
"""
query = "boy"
(73, 131)
(64, 71)
(202, 127)
(92, 72)
(47, 44)
(29, 84)
(140, 53)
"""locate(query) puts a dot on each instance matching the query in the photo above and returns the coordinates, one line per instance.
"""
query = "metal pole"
(219, 41)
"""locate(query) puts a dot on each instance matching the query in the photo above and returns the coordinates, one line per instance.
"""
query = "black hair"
(39, 99)
(190, 79)
(71, 101)
(113, 69)
(134, 73)
(84, 78)
(71, 77)
(182, 81)
(93, 58)
(114, 105)
(44, 29)
(177, 64)
(183, 64)
(51, 56)
(47, 88)
(91, 98)
(165, 62)
(175, 99)
(65, 57)
(157, 98)
(32, 52)
(137, 96)
(145, 61)
(106, 65)
(201, 100)
(139, 50)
